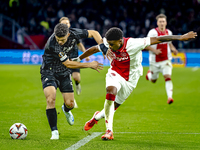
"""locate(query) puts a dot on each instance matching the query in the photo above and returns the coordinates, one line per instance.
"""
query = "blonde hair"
(63, 18)
(161, 16)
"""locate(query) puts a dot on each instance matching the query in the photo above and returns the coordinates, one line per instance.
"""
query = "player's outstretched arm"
(88, 52)
(93, 65)
(82, 48)
(188, 36)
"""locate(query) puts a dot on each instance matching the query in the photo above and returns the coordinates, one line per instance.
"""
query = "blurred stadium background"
(26, 24)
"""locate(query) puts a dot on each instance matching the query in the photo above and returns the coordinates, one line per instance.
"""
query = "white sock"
(109, 114)
(100, 115)
(169, 88)
(149, 76)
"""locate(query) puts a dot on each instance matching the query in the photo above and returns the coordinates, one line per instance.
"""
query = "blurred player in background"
(161, 62)
(55, 70)
(74, 53)
(124, 72)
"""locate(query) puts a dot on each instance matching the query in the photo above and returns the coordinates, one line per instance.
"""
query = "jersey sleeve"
(79, 33)
(104, 46)
(137, 44)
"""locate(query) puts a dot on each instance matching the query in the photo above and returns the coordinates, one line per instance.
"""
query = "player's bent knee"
(69, 104)
(50, 101)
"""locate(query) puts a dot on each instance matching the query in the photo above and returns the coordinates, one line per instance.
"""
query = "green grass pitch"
(144, 122)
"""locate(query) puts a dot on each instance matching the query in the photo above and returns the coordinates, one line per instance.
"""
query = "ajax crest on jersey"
(18, 131)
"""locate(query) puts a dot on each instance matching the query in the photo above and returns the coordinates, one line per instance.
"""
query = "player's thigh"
(167, 68)
(154, 71)
(113, 79)
(49, 84)
(126, 89)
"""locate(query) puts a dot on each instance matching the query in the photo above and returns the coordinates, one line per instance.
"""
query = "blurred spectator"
(134, 17)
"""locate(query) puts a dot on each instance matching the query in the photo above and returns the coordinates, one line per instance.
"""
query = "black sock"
(67, 109)
(76, 82)
(52, 118)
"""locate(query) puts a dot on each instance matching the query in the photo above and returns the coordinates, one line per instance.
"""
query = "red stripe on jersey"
(162, 46)
(121, 63)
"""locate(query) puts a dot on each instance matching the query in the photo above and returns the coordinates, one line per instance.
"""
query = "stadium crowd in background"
(134, 17)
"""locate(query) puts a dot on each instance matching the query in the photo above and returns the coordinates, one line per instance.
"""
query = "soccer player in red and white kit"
(124, 72)
(161, 62)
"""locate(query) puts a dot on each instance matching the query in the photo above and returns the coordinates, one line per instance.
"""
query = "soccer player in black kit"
(55, 70)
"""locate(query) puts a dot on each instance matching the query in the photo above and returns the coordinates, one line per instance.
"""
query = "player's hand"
(76, 59)
(188, 36)
(96, 66)
(158, 51)
(110, 55)
(87, 58)
(175, 52)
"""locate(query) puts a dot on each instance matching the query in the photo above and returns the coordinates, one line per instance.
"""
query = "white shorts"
(124, 88)
(165, 67)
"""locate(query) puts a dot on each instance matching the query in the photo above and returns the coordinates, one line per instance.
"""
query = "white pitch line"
(95, 134)
(84, 141)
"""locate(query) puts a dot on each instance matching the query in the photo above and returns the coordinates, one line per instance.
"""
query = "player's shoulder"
(51, 41)
(152, 32)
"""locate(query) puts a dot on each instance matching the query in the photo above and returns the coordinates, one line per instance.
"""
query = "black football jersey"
(55, 54)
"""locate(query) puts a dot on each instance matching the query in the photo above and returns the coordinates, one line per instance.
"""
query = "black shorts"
(61, 80)
(74, 70)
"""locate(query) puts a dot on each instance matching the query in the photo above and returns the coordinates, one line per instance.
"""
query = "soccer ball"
(18, 131)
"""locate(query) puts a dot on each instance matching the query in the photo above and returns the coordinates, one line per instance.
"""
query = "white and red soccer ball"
(18, 131)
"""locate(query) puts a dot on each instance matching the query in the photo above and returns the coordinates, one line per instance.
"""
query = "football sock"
(149, 76)
(52, 118)
(100, 115)
(109, 114)
(169, 87)
(77, 83)
(67, 109)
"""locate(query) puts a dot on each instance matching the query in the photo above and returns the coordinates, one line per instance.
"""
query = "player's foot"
(69, 116)
(55, 135)
(147, 74)
(108, 135)
(91, 122)
(75, 104)
(170, 100)
(78, 89)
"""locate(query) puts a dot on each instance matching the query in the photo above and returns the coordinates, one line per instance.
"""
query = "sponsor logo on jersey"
(67, 49)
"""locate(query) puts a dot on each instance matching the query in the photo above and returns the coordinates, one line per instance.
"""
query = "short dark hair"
(61, 30)
(114, 34)
(161, 16)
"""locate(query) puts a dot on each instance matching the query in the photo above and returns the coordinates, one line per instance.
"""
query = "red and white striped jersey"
(166, 52)
(128, 58)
